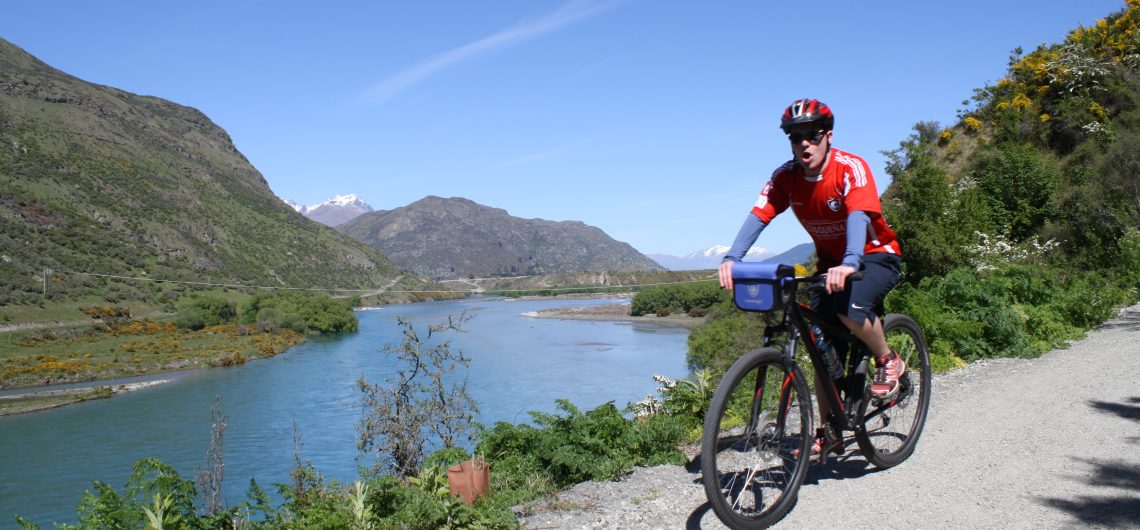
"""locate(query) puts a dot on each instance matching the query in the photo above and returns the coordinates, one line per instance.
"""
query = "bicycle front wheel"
(757, 434)
(890, 429)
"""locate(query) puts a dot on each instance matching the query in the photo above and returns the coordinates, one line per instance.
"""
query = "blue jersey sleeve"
(857, 223)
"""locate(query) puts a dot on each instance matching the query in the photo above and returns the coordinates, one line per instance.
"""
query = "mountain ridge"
(449, 238)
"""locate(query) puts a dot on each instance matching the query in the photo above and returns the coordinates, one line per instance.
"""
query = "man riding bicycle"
(833, 195)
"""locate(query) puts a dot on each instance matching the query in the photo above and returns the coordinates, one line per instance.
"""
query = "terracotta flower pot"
(469, 479)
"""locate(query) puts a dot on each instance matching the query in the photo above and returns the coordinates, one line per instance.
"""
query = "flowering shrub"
(686, 400)
(648, 406)
(1076, 69)
(992, 251)
(972, 123)
(1021, 102)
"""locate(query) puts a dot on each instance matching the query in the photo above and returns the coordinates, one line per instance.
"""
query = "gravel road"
(1052, 442)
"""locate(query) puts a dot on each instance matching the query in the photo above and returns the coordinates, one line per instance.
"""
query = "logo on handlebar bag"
(753, 290)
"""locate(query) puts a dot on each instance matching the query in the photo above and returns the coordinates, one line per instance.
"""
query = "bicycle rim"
(891, 429)
(754, 452)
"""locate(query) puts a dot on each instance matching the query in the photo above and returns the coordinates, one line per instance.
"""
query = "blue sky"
(653, 120)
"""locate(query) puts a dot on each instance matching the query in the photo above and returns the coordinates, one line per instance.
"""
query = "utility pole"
(45, 277)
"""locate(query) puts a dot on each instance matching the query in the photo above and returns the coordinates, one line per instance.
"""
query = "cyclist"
(833, 195)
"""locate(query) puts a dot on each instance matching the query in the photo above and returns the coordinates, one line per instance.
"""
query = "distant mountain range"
(708, 258)
(335, 211)
(449, 238)
(711, 257)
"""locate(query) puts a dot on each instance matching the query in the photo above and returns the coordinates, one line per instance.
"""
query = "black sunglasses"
(814, 137)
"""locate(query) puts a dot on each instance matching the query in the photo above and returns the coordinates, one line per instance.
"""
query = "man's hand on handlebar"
(836, 278)
(725, 274)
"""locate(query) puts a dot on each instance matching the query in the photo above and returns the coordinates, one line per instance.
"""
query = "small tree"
(209, 478)
(400, 415)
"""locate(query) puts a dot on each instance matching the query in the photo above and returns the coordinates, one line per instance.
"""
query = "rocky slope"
(458, 238)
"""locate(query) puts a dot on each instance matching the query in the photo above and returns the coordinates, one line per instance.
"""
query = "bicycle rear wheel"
(757, 434)
(890, 429)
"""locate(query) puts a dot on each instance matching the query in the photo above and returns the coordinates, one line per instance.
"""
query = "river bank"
(38, 400)
(615, 313)
(48, 369)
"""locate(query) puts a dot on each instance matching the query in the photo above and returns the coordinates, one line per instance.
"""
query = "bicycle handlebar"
(819, 281)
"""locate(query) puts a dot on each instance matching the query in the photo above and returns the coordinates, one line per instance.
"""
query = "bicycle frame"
(796, 324)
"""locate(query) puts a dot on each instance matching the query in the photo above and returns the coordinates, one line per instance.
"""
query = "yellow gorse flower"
(1022, 102)
(972, 123)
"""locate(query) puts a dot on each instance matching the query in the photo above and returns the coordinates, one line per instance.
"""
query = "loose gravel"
(1052, 442)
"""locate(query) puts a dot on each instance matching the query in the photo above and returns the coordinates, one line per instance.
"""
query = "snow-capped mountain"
(708, 258)
(337, 210)
(300, 208)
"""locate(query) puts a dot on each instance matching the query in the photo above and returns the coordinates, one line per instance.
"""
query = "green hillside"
(1019, 223)
(1047, 154)
(97, 181)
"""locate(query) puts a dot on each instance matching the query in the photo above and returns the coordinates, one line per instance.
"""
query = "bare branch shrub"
(423, 402)
(209, 478)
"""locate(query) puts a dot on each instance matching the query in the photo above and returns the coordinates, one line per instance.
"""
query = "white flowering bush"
(1077, 69)
(687, 399)
(646, 407)
(994, 250)
(1093, 127)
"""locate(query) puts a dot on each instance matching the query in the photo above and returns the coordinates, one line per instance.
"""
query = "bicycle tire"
(752, 472)
(883, 443)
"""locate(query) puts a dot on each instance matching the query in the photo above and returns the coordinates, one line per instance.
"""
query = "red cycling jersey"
(822, 203)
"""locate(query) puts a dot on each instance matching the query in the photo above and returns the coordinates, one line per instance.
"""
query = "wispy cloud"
(569, 13)
(538, 157)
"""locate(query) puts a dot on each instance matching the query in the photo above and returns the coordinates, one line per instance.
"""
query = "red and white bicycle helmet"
(807, 111)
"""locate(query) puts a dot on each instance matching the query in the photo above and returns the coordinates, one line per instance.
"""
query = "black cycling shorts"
(863, 299)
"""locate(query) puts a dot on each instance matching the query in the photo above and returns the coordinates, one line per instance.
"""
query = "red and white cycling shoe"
(885, 384)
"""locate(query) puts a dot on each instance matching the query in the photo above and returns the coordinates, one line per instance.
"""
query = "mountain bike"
(758, 431)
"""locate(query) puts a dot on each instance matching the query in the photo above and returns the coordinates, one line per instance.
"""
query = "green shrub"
(728, 334)
(671, 298)
(1021, 181)
(687, 400)
(201, 311)
(600, 444)
(305, 312)
(1129, 263)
